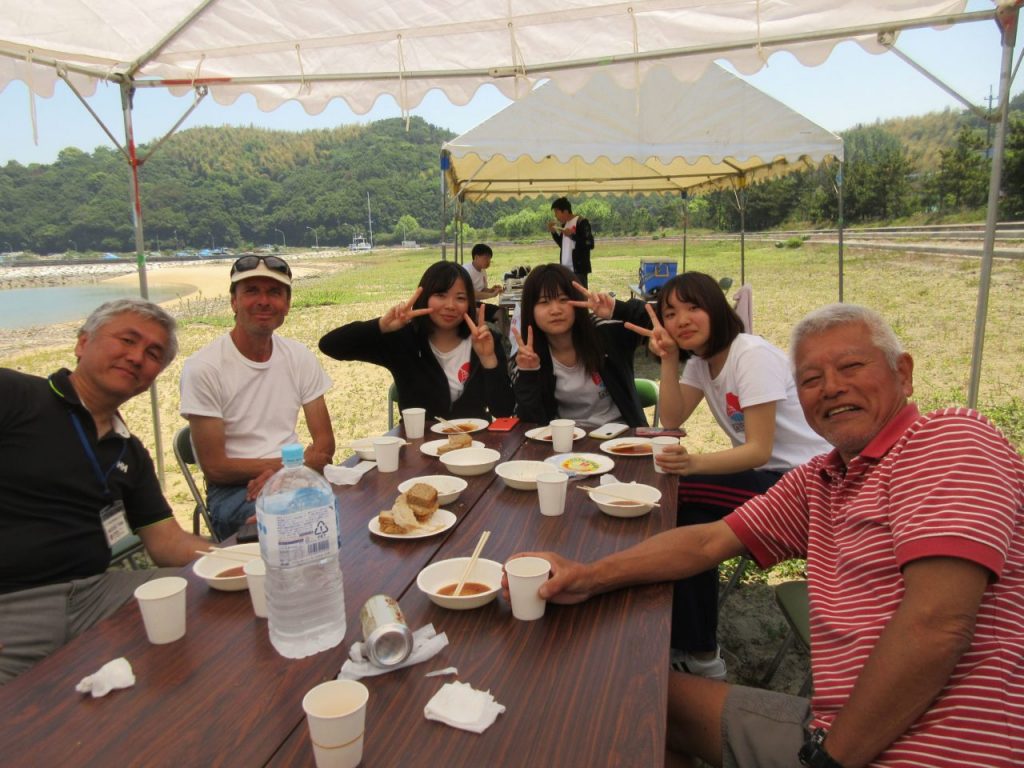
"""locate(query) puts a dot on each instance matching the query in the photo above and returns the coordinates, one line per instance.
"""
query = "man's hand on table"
(569, 582)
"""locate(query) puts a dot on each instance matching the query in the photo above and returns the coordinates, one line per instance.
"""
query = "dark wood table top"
(584, 685)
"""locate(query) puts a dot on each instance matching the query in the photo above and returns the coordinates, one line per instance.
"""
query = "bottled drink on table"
(300, 535)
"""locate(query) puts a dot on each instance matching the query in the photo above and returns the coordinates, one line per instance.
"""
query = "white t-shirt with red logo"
(582, 396)
(455, 365)
(757, 372)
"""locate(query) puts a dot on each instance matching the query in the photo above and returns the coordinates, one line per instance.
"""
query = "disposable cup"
(386, 450)
(562, 434)
(336, 715)
(413, 419)
(525, 575)
(659, 444)
(255, 575)
(162, 603)
(551, 493)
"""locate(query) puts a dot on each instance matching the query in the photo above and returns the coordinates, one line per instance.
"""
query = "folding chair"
(741, 568)
(186, 457)
(647, 390)
(126, 549)
(392, 404)
(791, 597)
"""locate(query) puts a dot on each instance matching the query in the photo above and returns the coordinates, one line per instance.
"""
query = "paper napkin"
(426, 644)
(462, 706)
(112, 675)
(339, 475)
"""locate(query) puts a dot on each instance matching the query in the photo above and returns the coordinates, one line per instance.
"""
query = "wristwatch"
(813, 753)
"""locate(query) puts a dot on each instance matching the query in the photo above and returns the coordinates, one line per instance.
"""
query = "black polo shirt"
(50, 495)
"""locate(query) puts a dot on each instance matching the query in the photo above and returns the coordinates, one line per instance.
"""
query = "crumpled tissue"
(339, 475)
(112, 675)
(426, 644)
(461, 706)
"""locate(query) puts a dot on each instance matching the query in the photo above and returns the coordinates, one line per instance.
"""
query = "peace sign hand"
(526, 358)
(401, 315)
(661, 342)
(601, 304)
(482, 339)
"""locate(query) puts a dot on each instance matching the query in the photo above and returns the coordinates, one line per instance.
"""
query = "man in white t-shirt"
(477, 271)
(242, 393)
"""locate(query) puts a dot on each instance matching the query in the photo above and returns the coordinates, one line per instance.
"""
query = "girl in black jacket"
(576, 358)
(440, 358)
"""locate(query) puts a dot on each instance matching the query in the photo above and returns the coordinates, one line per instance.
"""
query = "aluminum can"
(386, 636)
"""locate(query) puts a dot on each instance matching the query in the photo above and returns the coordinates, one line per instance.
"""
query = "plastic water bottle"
(300, 533)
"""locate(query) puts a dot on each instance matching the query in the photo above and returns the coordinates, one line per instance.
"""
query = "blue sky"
(851, 87)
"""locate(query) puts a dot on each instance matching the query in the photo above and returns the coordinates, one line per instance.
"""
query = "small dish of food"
(414, 515)
(437, 448)
(438, 580)
(448, 488)
(454, 426)
(521, 475)
(470, 461)
(628, 446)
(225, 572)
(582, 463)
(625, 499)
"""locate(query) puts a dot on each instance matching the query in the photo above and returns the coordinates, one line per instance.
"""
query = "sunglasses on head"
(274, 263)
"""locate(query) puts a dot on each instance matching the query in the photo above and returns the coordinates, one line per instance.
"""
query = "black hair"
(439, 278)
(482, 249)
(703, 291)
(548, 281)
(562, 204)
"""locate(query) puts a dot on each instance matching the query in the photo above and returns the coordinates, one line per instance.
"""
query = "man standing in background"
(574, 237)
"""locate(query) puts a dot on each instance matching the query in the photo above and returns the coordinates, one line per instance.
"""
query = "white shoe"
(713, 669)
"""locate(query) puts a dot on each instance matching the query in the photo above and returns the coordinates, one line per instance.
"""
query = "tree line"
(243, 187)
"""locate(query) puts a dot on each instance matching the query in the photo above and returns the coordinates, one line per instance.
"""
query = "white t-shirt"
(477, 276)
(756, 372)
(258, 402)
(456, 366)
(583, 397)
(568, 244)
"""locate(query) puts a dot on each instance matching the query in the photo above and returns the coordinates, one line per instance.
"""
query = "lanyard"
(91, 454)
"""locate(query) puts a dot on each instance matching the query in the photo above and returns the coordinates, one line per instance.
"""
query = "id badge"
(115, 524)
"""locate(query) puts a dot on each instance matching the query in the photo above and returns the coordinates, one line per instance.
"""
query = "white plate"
(544, 434)
(440, 522)
(609, 446)
(592, 463)
(476, 424)
(431, 448)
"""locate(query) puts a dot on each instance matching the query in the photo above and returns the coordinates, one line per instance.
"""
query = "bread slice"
(456, 441)
(400, 519)
(422, 499)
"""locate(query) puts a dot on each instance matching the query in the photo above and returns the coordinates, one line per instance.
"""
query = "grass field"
(930, 301)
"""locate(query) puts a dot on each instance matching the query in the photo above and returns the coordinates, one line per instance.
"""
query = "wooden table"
(585, 685)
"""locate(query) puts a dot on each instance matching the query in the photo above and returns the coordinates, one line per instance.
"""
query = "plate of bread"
(453, 442)
(414, 515)
(455, 426)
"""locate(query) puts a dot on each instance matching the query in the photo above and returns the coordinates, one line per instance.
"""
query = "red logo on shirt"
(464, 373)
(596, 378)
(734, 412)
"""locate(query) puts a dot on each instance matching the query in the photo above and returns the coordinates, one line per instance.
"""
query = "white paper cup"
(525, 575)
(386, 450)
(336, 715)
(256, 575)
(561, 434)
(413, 419)
(551, 492)
(162, 603)
(659, 444)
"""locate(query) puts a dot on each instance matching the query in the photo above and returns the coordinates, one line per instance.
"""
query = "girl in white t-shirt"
(748, 385)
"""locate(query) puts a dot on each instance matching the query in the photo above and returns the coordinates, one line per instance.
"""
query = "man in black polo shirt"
(73, 481)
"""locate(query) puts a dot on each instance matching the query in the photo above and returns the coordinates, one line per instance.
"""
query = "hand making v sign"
(601, 304)
(401, 315)
(482, 339)
(526, 358)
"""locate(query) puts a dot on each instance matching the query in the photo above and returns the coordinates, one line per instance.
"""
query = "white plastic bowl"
(209, 566)
(364, 448)
(643, 499)
(448, 488)
(470, 461)
(445, 572)
(521, 475)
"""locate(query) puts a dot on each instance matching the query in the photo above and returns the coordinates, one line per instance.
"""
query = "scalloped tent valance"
(667, 136)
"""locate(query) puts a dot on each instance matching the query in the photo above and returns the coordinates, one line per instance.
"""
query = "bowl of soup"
(224, 571)
(625, 499)
(438, 581)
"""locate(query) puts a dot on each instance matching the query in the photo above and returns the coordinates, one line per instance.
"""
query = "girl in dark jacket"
(575, 356)
(440, 358)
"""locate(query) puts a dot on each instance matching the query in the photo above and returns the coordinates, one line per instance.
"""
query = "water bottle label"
(301, 537)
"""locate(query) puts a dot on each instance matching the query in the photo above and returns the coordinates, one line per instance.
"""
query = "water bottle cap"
(292, 453)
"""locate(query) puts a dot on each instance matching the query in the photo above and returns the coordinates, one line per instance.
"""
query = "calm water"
(24, 307)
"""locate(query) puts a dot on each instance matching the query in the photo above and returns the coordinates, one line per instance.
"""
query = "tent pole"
(1006, 18)
(839, 194)
(445, 162)
(127, 95)
(686, 222)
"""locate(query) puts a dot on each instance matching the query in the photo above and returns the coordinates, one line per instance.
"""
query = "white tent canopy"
(716, 132)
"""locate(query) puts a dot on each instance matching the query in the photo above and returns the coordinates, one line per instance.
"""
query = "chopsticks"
(472, 561)
(616, 496)
(241, 557)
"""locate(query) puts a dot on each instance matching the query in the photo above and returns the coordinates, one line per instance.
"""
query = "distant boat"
(360, 243)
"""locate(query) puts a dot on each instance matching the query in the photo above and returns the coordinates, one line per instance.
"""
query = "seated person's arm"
(913, 659)
(169, 545)
(210, 444)
(488, 293)
(320, 452)
(759, 421)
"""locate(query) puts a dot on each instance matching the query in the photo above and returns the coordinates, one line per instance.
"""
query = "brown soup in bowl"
(469, 588)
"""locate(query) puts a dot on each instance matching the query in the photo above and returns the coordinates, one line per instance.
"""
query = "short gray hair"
(830, 316)
(104, 313)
